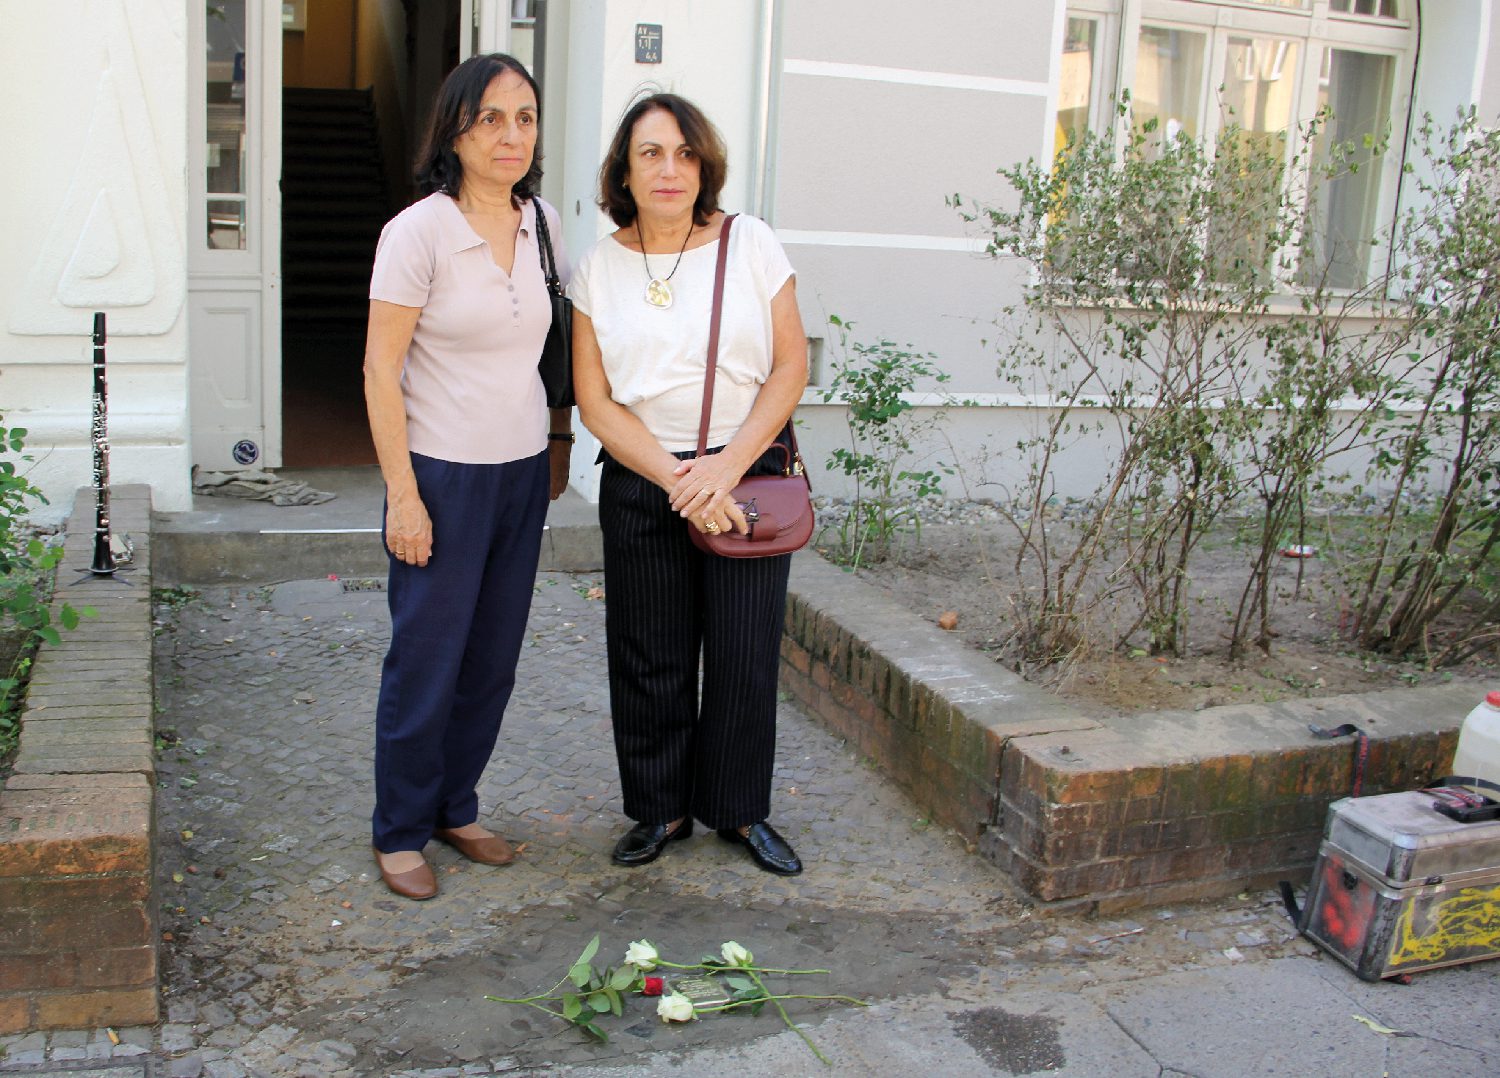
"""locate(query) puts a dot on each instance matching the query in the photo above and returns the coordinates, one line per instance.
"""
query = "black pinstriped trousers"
(667, 603)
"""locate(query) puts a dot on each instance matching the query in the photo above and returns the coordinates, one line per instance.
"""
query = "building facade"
(209, 174)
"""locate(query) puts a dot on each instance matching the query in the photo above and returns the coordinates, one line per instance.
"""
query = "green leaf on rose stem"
(596, 980)
(739, 982)
(593, 1030)
(616, 1006)
(589, 952)
(580, 975)
(755, 1007)
(712, 960)
(623, 978)
(745, 994)
(599, 1001)
(572, 1007)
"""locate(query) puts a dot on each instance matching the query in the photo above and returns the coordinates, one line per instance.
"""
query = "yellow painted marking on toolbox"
(1467, 921)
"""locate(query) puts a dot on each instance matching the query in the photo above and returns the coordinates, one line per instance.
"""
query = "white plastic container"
(1478, 754)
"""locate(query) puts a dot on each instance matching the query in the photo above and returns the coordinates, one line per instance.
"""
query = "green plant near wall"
(28, 569)
(875, 383)
(1430, 589)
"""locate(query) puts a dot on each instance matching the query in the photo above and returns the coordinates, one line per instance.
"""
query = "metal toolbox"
(1399, 887)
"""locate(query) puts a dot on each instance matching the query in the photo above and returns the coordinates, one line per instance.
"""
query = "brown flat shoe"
(418, 884)
(490, 850)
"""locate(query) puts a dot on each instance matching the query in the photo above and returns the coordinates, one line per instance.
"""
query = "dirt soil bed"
(969, 570)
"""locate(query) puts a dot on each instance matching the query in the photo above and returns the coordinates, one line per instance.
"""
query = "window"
(225, 216)
(1259, 69)
(1075, 95)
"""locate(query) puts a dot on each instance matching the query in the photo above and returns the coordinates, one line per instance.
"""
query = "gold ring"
(712, 527)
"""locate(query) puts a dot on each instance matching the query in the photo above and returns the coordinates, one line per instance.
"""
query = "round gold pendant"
(658, 294)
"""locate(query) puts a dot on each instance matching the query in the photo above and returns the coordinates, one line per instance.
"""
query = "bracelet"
(561, 436)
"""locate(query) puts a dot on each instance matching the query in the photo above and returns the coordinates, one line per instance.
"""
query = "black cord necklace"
(658, 292)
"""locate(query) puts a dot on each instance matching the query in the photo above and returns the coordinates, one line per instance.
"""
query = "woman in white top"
(642, 300)
(458, 314)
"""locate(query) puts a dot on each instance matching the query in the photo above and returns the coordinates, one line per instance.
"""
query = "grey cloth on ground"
(258, 485)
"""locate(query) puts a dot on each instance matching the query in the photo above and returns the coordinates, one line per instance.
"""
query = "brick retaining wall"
(1110, 812)
(78, 930)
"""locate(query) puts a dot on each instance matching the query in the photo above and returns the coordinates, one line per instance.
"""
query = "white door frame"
(235, 385)
(488, 27)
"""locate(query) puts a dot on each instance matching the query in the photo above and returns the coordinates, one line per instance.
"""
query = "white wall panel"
(92, 205)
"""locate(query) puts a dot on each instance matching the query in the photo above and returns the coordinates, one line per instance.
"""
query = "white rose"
(735, 955)
(642, 956)
(674, 1007)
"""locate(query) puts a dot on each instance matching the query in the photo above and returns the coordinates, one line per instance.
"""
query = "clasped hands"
(704, 494)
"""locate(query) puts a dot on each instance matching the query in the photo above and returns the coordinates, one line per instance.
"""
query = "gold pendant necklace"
(658, 292)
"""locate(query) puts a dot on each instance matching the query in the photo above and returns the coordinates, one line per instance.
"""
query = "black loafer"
(643, 843)
(767, 848)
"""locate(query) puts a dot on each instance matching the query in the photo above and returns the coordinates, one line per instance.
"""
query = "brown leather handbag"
(778, 508)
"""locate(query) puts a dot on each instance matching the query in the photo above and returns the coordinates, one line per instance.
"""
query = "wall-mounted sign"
(647, 43)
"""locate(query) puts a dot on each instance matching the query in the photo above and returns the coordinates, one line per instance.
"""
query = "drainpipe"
(764, 191)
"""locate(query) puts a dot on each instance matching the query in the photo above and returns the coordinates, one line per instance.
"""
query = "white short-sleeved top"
(654, 359)
(470, 381)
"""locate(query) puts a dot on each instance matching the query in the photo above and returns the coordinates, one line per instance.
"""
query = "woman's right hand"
(408, 530)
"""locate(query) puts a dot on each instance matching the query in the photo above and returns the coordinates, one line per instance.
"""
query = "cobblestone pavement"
(284, 955)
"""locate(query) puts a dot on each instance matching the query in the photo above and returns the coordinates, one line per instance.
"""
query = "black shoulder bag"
(556, 364)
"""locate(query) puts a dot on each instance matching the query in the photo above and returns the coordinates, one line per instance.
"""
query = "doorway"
(357, 79)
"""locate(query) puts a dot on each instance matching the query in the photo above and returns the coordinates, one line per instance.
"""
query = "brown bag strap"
(794, 455)
(713, 334)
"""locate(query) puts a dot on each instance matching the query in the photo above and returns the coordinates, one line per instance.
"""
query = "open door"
(234, 163)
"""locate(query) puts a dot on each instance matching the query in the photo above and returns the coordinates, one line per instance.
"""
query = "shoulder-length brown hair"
(700, 135)
(455, 111)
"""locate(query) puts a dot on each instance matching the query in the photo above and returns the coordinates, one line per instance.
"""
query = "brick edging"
(79, 943)
(1109, 812)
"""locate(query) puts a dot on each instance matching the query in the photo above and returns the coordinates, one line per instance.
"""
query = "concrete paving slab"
(1278, 1018)
(1441, 1006)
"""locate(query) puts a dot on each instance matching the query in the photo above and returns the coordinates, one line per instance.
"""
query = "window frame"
(1315, 28)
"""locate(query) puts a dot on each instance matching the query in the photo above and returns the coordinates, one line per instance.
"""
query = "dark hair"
(615, 198)
(455, 111)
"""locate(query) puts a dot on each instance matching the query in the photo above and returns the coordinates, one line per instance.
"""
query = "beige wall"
(321, 56)
(1005, 38)
(884, 109)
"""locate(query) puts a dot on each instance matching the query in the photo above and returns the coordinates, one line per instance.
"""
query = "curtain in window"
(1356, 88)
(1169, 82)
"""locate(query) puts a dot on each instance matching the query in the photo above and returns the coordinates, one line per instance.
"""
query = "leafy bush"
(27, 572)
(1172, 319)
(875, 382)
(1442, 437)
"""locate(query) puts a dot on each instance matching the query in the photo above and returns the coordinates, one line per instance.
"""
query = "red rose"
(653, 986)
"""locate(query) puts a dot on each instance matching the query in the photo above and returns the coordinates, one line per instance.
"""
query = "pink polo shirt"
(470, 381)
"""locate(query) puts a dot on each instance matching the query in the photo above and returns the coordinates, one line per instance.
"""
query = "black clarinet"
(104, 558)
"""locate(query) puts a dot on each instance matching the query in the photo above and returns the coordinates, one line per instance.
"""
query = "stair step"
(305, 96)
(334, 204)
(333, 248)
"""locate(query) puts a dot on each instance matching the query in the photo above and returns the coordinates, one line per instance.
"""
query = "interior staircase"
(334, 203)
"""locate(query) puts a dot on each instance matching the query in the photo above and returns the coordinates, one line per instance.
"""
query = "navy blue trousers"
(456, 629)
(680, 753)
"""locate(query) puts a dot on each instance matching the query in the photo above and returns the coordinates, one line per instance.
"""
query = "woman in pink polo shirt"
(469, 454)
